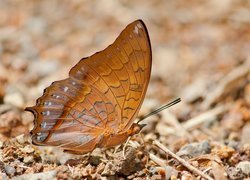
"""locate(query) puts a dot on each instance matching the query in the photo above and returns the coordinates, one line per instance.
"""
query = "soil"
(201, 53)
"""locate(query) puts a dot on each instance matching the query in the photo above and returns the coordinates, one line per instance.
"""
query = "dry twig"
(157, 160)
(209, 115)
(182, 161)
(169, 171)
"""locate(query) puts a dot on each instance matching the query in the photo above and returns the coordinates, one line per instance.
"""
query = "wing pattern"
(103, 93)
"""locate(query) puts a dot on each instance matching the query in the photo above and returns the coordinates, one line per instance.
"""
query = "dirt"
(201, 53)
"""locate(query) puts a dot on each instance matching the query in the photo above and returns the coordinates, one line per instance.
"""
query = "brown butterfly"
(99, 101)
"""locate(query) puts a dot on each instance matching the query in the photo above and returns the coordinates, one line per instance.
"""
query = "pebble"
(171, 172)
(28, 159)
(21, 139)
(95, 160)
(15, 99)
(233, 144)
(244, 166)
(194, 149)
(5, 108)
(245, 135)
(108, 169)
(43, 68)
(9, 170)
(27, 149)
(234, 173)
(240, 171)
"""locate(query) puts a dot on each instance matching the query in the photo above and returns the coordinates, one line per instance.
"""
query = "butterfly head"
(136, 128)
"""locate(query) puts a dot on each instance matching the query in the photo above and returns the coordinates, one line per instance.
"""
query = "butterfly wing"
(103, 91)
(135, 50)
(122, 72)
(68, 115)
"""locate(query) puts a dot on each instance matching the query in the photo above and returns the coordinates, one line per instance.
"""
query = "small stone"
(28, 159)
(95, 160)
(194, 149)
(186, 175)
(27, 149)
(244, 167)
(9, 170)
(108, 169)
(129, 165)
(171, 172)
(234, 173)
(223, 152)
(246, 149)
(233, 144)
(5, 108)
(14, 98)
(21, 139)
(9, 120)
(43, 68)
(245, 135)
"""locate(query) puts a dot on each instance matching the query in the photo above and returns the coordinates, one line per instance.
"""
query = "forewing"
(121, 73)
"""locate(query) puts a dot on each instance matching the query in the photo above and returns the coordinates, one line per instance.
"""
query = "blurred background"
(195, 44)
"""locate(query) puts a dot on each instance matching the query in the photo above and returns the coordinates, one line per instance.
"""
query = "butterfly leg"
(124, 147)
(116, 148)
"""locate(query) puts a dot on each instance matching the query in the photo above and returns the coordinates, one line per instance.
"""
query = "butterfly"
(96, 106)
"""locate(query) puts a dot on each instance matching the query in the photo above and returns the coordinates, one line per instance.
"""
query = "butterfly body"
(99, 101)
(112, 139)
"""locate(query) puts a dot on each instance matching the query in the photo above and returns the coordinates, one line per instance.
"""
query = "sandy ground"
(201, 53)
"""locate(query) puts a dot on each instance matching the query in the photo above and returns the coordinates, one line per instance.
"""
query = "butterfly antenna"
(160, 109)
